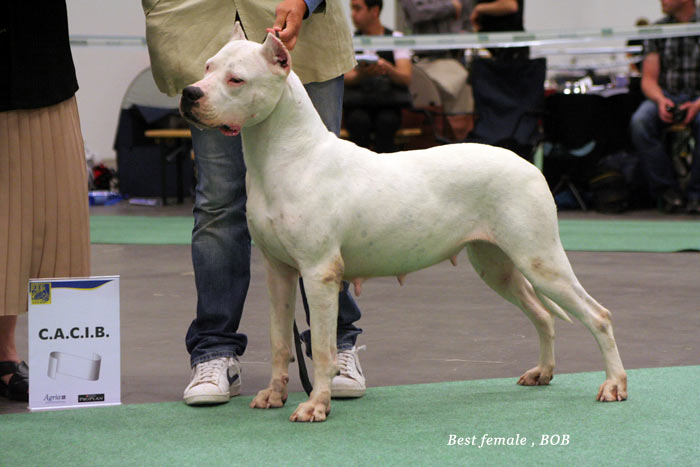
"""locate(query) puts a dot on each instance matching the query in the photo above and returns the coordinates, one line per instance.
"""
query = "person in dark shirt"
(498, 16)
(376, 92)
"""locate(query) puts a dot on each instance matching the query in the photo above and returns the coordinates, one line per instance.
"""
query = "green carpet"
(400, 425)
(144, 230)
(576, 235)
(629, 235)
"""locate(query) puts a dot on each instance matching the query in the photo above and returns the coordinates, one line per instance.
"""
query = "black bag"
(619, 184)
(610, 192)
(376, 92)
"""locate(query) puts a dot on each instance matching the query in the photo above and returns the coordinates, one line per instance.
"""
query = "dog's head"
(241, 86)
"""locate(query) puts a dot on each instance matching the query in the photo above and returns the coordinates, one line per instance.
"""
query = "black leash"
(303, 374)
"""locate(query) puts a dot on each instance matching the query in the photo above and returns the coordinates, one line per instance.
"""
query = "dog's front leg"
(322, 293)
(281, 284)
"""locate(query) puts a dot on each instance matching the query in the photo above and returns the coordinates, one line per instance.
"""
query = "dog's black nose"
(192, 93)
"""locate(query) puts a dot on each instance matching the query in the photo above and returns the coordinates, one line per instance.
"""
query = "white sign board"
(74, 352)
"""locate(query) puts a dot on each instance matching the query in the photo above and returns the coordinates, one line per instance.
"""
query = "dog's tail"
(552, 307)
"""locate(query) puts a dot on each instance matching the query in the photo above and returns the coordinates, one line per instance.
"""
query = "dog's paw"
(311, 411)
(613, 390)
(269, 399)
(537, 376)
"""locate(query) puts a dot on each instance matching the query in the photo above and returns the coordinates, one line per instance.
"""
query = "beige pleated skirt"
(44, 218)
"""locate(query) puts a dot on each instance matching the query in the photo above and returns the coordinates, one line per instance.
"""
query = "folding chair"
(508, 100)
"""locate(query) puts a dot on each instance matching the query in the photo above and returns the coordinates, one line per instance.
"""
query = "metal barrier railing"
(461, 41)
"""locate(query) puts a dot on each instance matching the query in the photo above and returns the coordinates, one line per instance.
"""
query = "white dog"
(329, 210)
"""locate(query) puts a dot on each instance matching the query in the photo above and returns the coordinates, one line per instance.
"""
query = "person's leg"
(646, 135)
(8, 350)
(220, 247)
(359, 125)
(327, 97)
(221, 260)
(14, 375)
(386, 123)
(693, 188)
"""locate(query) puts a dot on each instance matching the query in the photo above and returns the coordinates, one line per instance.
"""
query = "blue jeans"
(646, 131)
(221, 242)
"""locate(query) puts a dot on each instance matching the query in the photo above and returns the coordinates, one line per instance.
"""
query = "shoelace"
(207, 372)
(345, 357)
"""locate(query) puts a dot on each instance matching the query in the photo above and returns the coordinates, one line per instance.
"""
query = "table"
(183, 145)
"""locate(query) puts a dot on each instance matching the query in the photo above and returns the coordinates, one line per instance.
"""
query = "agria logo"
(55, 398)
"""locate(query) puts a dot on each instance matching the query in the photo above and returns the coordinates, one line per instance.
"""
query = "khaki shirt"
(183, 34)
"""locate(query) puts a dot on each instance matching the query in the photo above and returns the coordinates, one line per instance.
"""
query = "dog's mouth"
(230, 130)
(190, 117)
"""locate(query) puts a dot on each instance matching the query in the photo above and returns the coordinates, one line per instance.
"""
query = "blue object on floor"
(104, 198)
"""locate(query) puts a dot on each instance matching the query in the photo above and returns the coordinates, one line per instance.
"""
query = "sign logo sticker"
(40, 293)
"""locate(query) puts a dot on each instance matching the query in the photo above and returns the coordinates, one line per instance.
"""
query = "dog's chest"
(269, 228)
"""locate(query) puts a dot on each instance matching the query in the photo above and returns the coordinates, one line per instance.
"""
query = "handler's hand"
(289, 15)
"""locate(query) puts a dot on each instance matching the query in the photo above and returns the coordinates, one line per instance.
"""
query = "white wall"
(564, 14)
(104, 73)
(561, 14)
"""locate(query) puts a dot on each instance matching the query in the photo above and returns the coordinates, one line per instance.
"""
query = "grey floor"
(444, 324)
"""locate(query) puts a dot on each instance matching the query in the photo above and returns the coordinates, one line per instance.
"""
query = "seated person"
(444, 67)
(377, 88)
(507, 85)
(498, 16)
(671, 84)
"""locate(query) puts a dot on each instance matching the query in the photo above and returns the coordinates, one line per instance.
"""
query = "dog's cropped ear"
(277, 54)
(238, 33)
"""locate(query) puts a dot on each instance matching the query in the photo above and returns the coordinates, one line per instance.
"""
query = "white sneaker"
(214, 382)
(350, 382)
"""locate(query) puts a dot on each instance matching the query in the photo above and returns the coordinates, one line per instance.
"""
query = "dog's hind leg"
(549, 271)
(499, 272)
(281, 284)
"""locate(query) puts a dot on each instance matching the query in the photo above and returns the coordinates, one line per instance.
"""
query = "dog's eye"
(234, 80)
(207, 68)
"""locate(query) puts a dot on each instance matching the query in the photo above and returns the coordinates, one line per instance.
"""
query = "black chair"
(576, 128)
(508, 101)
(145, 168)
